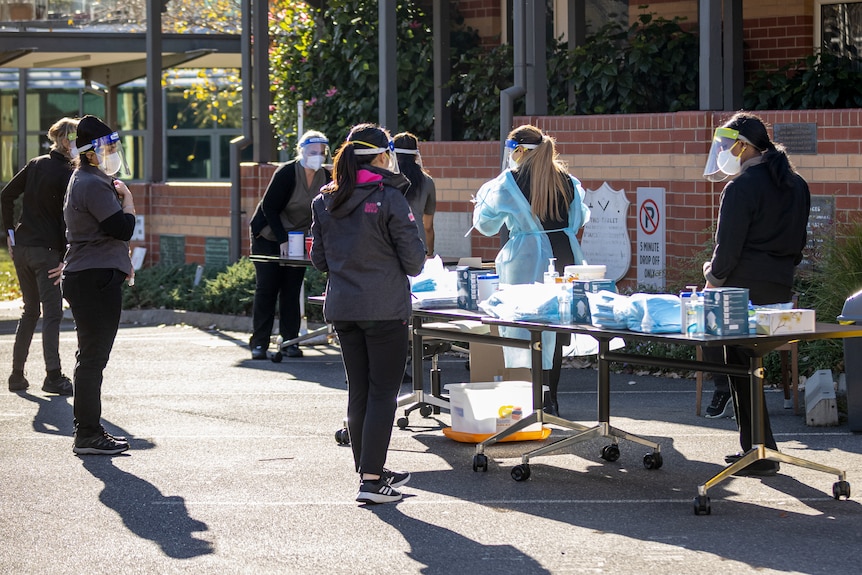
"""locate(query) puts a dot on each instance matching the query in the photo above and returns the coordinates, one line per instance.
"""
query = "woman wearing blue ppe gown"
(543, 208)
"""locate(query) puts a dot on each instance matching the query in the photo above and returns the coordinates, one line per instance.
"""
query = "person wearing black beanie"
(100, 219)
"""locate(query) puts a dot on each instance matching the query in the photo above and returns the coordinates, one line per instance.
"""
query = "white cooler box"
(490, 407)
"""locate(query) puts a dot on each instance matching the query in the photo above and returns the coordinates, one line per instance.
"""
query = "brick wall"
(627, 151)
(484, 17)
(775, 32)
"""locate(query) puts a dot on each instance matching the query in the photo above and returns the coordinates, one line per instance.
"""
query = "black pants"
(41, 297)
(275, 283)
(720, 380)
(760, 293)
(552, 376)
(96, 299)
(741, 389)
(374, 353)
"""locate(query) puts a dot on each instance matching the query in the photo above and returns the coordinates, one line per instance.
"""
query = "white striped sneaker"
(377, 491)
(395, 478)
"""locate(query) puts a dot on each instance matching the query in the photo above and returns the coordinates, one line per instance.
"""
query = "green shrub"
(819, 82)
(9, 289)
(161, 287)
(227, 291)
(836, 274)
(652, 66)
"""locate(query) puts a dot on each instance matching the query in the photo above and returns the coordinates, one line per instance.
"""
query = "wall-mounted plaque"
(606, 236)
(799, 138)
(172, 250)
(216, 253)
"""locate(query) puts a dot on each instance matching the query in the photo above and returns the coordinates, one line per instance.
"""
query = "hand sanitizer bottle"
(551, 275)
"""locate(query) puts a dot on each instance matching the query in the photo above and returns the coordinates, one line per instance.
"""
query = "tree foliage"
(819, 82)
(329, 62)
(652, 66)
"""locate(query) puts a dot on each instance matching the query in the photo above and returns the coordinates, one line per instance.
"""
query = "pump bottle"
(551, 275)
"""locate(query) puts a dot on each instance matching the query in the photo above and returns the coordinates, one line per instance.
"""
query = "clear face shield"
(109, 153)
(314, 153)
(721, 163)
(509, 149)
(411, 153)
(370, 151)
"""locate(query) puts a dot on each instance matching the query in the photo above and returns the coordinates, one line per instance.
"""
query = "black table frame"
(294, 262)
(758, 346)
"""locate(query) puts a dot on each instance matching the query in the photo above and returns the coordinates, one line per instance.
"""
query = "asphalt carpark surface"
(234, 468)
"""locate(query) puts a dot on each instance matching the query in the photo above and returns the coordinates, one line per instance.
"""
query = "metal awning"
(42, 49)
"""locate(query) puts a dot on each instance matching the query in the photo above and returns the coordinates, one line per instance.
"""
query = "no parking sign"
(651, 237)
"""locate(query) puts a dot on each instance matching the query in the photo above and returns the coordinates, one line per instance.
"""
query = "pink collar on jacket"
(365, 176)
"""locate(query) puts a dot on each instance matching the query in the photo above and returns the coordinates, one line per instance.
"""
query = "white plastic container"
(585, 272)
(489, 407)
(295, 244)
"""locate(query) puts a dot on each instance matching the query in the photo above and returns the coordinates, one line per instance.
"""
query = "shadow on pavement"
(600, 498)
(147, 512)
(450, 552)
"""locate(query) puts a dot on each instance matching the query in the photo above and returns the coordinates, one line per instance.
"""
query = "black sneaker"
(395, 478)
(721, 406)
(61, 385)
(293, 351)
(377, 491)
(18, 383)
(102, 444)
(258, 352)
(762, 468)
(733, 457)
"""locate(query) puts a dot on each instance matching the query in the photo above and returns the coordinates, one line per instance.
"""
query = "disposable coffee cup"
(295, 244)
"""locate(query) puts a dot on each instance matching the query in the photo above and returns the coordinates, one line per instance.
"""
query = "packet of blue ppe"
(608, 309)
(435, 277)
(435, 287)
(653, 313)
(524, 302)
(427, 284)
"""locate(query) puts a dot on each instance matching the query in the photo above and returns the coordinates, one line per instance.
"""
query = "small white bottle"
(689, 303)
(551, 275)
(564, 301)
(695, 323)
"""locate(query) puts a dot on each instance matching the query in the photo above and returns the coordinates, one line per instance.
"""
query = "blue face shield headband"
(314, 159)
(509, 148)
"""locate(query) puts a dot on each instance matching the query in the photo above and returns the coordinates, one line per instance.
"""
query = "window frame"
(818, 20)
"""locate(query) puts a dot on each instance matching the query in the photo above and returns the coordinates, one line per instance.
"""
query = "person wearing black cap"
(759, 238)
(37, 244)
(100, 220)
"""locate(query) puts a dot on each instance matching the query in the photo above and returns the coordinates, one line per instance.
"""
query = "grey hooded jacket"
(368, 246)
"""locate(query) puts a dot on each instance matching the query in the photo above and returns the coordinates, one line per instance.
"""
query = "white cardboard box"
(774, 322)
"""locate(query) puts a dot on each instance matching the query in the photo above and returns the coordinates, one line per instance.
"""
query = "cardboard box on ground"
(486, 362)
